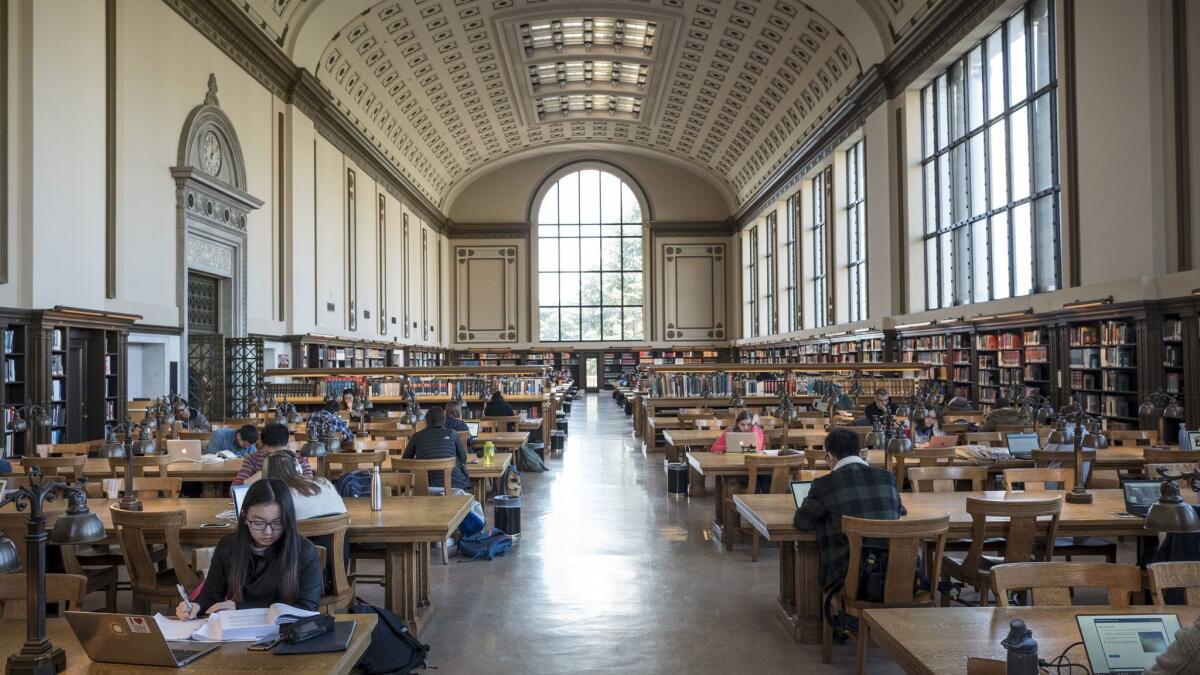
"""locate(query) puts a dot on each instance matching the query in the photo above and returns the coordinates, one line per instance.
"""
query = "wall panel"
(693, 291)
(486, 303)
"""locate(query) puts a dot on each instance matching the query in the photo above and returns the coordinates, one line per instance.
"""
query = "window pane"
(590, 319)
(589, 288)
(943, 117)
(610, 320)
(548, 288)
(1022, 246)
(568, 231)
(1019, 130)
(958, 102)
(548, 323)
(946, 271)
(547, 255)
(632, 253)
(978, 176)
(568, 199)
(1043, 143)
(547, 230)
(568, 254)
(548, 213)
(632, 230)
(589, 196)
(979, 261)
(1017, 76)
(610, 200)
(589, 230)
(631, 211)
(611, 288)
(958, 172)
(944, 193)
(995, 74)
(975, 88)
(1047, 244)
(1039, 22)
(930, 198)
(998, 165)
(927, 130)
(962, 265)
(633, 288)
(568, 288)
(931, 274)
(589, 254)
(1000, 277)
(570, 323)
(633, 323)
(610, 253)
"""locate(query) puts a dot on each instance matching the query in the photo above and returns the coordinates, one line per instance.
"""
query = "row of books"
(1172, 330)
(10, 342)
(1173, 356)
(1037, 354)
(56, 365)
(474, 388)
(10, 370)
(1001, 341)
(57, 339)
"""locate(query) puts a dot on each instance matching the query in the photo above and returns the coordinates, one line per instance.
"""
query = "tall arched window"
(589, 240)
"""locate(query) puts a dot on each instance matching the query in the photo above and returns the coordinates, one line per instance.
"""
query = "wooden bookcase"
(323, 351)
(422, 357)
(15, 380)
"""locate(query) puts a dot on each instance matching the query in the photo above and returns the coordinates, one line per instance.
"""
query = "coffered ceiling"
(447, 89)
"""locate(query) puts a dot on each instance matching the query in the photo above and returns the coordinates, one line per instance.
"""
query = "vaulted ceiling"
(448, 89)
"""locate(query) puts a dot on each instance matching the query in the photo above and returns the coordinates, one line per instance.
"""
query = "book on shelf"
(1172, 330)
(986, 361)
(1037, 354)
(56, 390)
(1088, 357)
(1010, 359)
(1119, 380)
(1173, 383)
(56, 365)
(1117, 406)
(1081, 380)
(1173, 356)
(683, 385)
(1034, 336)
(1117, 333)
(10, 340)
(56, 339)
(1119, 357)
(1083, 336)
(10, 370)
(962, 373)
(1037, 371)
(110, 410)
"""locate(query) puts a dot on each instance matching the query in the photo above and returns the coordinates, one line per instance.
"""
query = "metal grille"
(206, 374)
(203, 309)
(243, 365)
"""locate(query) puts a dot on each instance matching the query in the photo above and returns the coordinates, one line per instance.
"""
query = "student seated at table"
(1004, 414)
(263, 562)
(238, 441)
(327, 421)
(880, 407)
(454, 420)
(742, 424)
(190, 418)
(435, 441)
(312, 497)
(852, 488)
(926, 428)
(498, 407)
(347, 399)
(274, 439)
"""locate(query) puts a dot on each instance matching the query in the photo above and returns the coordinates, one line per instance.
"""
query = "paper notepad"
(245, 624)
(174, 629)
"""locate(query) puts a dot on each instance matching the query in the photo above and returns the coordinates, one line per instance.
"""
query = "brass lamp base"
(1079, 496)
(44, 663)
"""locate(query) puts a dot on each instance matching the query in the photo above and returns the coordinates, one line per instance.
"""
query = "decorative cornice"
(489, 230)
(233, 32)
(688, 228)
(947, 23)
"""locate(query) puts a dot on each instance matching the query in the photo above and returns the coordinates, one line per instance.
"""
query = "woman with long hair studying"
(264, 561)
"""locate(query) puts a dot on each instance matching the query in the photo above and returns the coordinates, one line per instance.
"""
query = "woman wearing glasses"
(264, 562)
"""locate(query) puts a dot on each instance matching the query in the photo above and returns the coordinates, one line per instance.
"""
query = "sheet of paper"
(245, 618)
(173, 629)
(282, 613)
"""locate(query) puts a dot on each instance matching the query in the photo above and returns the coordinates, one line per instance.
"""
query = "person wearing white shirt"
(312, 497)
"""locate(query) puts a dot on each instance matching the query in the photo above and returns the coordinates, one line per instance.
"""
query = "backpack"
(485, 545)
(393, 648)
(354, 484)
(511, 480)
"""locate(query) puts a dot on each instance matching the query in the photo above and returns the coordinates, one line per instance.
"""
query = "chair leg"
(445, 557)
(826, 642)
(863, 642)
(754, 546)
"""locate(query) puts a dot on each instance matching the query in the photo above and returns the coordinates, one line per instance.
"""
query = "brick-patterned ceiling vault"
(447, 89)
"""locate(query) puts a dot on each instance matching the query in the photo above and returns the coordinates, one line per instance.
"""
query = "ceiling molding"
(235, 34)
(945, 25)
(489, 230)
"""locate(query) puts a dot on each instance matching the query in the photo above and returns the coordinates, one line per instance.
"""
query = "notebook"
(1022, 444)
(1125, 643)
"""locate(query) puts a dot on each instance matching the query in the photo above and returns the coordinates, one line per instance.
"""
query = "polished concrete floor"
(610, 574)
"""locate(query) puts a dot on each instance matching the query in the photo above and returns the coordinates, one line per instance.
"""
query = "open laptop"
(184, 450)
(943, 441)
(1021, 444)
(239, 495)
(473, 427)
(1140, 495)
(737, 441)
(1125, 643)
(132, 640)
(800, 490)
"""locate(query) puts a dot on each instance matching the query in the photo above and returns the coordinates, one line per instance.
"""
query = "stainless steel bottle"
(376, 490)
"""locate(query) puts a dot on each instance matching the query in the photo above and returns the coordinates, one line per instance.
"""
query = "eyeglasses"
(260, 525)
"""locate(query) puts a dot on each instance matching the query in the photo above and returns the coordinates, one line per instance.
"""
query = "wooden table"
(407, 525)
(210, 474)
(509, 440)
(231, 657)
(480, 473)
(799, 589)
(933, 641)
(678, 440)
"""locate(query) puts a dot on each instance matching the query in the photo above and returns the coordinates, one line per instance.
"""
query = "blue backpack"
(354, 484)
(485, 545)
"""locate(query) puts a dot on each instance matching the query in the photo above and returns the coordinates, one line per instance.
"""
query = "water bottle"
(489, 451)
(1022, 649)
(376, 490)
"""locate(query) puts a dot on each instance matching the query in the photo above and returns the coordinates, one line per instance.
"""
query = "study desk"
(480, 473)
(799, 589)
(938, 641)
(679, 440)
(406, 525)
(509, 440)
(231, 657)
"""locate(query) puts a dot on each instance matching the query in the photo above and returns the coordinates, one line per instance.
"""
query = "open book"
(249, 624)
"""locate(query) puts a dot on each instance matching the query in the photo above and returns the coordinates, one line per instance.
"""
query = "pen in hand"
(187, 604)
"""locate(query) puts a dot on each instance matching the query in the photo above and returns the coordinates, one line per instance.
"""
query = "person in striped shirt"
(274, 439)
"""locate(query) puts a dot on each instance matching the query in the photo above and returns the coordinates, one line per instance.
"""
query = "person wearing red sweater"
(744, 423)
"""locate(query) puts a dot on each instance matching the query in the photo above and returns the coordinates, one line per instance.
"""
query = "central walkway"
(612, 574)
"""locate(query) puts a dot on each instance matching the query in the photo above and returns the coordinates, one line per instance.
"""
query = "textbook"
(248, 624)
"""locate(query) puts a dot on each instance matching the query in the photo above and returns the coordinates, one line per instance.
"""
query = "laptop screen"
(473, 427)
(800, 490)
(1022, 444)
(1126, 643)
(1141, 494)
(740, 442)
(239, 494)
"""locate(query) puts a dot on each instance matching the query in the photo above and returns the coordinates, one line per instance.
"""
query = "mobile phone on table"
(264, 644)
(202, 525)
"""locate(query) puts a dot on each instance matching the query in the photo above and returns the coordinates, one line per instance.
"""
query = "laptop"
(1140, 495)
(132, 640)
(239, 495)
(1125, 643)
(1021, 444)
(800, 490)
(184, 451)
(473, 427)
(737, 441)
(943, 441)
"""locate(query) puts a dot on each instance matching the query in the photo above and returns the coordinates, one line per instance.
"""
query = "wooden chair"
(151, 586)
(1165, 576)
(506, 423)
(390, 446)
(490, 426)
(1055, 458)
(1024, 532)
(694, 412)
(1036, 480)
(967, 416)
(1126, 437)
(334, 527)
(706, 423)
(1014, 428)
(906, 540)
(70, 467)
(352, 461)
(144, 488)
(927, 457)
(768, 422)
(783, 469)
(68, 589)
(959, 429)
(1050, 583)
(420, 470)
(993, 439)
(943, 478)
(1168, 456)
(116, 465)
(377, 426)
(394, 485)
(62, 449)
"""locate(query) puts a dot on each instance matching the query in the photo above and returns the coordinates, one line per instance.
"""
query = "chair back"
(928, 457)
(1014, 429)
(397, 484)
(335, 527)
(993, 439)
(464, 437)
(1025, 528)
(1168, 575)
(781, 468)
(379, 426)
(1035, 480)
(62, 449)
(116, 465)
(61, 588)
(958, 429)
(706, 423)
(145, 488)
(70, 466)
(694, 412)
(132, 528)
(352, 461)
(391, 446)
(944, 478)
(491, 426)
(1051, 458)
(505, 423)
(1124, 437)
(1050, 583)
(906, 540)
(768, 422)
(1169, 456)
(967, 416)
(420, 469)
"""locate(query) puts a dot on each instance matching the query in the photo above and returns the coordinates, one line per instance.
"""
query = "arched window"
(589, 241)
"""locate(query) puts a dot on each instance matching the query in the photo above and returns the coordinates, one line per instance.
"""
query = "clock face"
(210, 153)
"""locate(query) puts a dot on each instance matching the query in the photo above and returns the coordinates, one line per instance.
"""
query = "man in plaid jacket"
(853, 488)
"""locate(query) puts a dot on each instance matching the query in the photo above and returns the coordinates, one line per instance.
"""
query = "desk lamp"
(23, 417)
(1171, 514)
(786, 412)
(112, 448)
(38, 656)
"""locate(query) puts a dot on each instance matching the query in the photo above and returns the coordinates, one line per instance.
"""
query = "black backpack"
(354, 483)
(393, 648)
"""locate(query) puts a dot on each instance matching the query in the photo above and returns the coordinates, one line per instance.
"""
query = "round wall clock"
(210, 153)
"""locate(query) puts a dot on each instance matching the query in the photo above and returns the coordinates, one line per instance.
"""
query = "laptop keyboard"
(184, 654)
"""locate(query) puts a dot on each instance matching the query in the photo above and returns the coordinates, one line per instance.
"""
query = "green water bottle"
(489, 451)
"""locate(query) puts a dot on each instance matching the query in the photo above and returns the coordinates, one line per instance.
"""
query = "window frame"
(791, 252)
(856, 230)
(822, 189)
(770, 260)
(752, 273)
